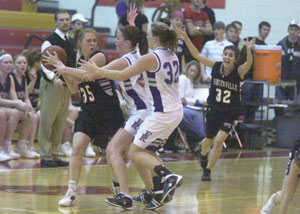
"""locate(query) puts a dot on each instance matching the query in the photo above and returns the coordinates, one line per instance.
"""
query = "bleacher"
(17, 26)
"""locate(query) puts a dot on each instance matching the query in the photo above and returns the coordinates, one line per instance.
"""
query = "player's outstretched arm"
(244, 68)
(194, 51)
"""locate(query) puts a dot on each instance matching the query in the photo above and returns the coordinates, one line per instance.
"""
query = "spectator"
(252, 94)
(121, 8)
(197, 23)
(78, 22)
(164, 11)
(176, 21)
(212, 20)
(33, 76)
(192, 123)
(3, 124)
(214, 49)
(17, 112)
(141, 21)
(290, 68)
(239, 27)
(19, 81)
(55, 95)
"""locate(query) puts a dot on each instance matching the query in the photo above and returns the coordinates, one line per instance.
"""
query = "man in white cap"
(78, 22)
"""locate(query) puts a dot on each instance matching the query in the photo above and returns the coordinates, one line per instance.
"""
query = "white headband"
(4, 55)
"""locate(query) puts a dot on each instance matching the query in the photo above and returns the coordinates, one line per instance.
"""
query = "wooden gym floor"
(241, 183)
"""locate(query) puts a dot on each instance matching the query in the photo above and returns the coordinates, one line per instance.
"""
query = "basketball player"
(289, 186)
(18, 112)
(223, 100)
(18, 75)
(100, 110)
(162, 68)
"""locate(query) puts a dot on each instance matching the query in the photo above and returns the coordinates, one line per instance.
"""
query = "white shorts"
(156, 129)
(135, 121)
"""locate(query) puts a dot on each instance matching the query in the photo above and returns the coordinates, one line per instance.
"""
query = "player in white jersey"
(162, 68)
(138, 107)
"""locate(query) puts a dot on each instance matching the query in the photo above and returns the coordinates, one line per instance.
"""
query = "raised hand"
(132, 14)
(89, 66)
(181, 33)
(250, 44)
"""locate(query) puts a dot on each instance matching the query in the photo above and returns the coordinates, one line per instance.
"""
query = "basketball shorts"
(216, 121)
(135, 121)
(96, 124)
(156, 129)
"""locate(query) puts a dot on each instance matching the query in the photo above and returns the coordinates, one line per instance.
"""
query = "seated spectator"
(193, 121)
(214, 49)
(18, 76)
(33, 76)
(3, 124)
(18, 112)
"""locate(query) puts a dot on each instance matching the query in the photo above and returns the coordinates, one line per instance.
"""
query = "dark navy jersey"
(98, 94)
(19, 86)
(35, 94)
(224, 93)
(5, 88)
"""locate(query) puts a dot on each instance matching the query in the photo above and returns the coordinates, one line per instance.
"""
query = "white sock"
(72, 185)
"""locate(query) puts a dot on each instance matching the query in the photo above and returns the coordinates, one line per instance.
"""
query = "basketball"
(61, 53)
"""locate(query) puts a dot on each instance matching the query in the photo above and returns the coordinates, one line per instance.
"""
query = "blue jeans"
(192, 124)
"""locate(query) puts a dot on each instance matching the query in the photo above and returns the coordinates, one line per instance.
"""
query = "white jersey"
(163, 82)
(136, 97)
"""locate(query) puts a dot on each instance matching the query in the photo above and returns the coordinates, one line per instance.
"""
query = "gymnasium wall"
(277, 12)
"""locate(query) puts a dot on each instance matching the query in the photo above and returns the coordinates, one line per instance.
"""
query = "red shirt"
(198, 18)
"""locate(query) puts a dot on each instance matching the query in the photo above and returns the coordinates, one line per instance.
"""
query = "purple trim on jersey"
(152, 148)
(137, 100)
(158, 106)
(159, 62)
(130, 63)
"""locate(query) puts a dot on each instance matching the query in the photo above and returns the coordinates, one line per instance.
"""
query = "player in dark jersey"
(223, 101)
(100, 110)
(19, 79)
(289, 186)
(17, 111)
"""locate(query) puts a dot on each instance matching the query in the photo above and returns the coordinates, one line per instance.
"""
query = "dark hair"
(79, 34)
(230, 26)
(32, 56)
(60, 12)
(234, 49)
(263, 23)
(136, 36)
(167, 36)
(237, 22)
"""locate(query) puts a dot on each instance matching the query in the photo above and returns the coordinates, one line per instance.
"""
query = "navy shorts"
(96, 124)
(216, 121)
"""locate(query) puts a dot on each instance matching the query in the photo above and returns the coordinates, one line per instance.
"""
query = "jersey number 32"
(223, 96)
